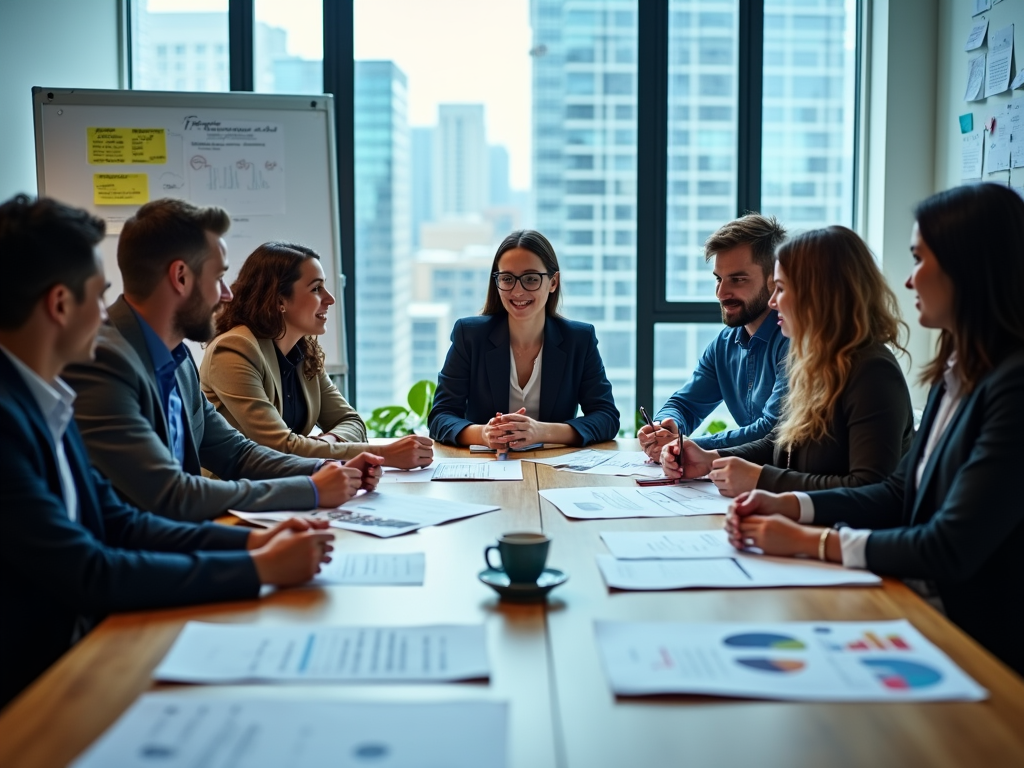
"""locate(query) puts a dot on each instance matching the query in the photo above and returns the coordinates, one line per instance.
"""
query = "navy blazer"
(473, 385)
(964, 527)
(59, 577)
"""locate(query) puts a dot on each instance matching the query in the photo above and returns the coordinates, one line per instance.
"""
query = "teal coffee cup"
(523, 555)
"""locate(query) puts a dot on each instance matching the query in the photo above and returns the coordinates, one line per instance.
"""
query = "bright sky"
(456, 51)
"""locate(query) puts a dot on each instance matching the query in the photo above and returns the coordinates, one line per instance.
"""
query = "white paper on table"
(374, 569)
(380, 514)
(245, 653)
(235, 164)
(795, 661)
(579, 460)
(615, 463)
(740, 571)
(425, 474)
(182, 731)
(975, 78)
(971, 150)
(997, 151)
(668, 545)
(977, 35)
(1000, 52)
(488, 469)
(980, 6)
(596, 503)
(1018, 81)
(1015, 123)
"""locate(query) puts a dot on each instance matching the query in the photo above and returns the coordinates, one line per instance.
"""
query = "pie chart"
(772, 665)
(764, 640)
(902, 675)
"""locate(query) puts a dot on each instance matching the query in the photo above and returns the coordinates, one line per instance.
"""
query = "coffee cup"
(523, 555)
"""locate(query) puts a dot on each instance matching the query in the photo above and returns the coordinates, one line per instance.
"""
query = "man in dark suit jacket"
(71, 550)
(140, 406)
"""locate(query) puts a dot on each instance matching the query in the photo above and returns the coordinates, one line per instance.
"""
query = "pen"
(647, 418)
(500, 454)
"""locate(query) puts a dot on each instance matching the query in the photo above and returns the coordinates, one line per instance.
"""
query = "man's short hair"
(43, 243)
(160, 233)
(762, 233)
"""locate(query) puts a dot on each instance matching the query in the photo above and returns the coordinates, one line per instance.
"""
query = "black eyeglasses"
(531, 281)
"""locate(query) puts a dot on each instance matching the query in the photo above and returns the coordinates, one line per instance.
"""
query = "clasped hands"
(336, 483)
(512, 430)
(768, 521)
(730, 474)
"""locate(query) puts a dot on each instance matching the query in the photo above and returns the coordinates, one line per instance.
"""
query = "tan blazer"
(242, 379)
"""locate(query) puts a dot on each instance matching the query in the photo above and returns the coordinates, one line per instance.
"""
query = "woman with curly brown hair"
(847, 420)
(265, 370)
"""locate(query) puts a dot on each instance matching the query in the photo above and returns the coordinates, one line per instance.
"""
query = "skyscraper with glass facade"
(383, 247)
(584, 145)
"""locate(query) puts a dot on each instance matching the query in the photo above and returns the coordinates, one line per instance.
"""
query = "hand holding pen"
(656, 434)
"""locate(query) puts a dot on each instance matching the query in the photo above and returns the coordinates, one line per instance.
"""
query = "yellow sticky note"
(124, 146)
(120, 188)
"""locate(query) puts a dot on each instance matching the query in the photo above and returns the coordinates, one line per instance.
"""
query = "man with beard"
(140, 407)
(745, 365)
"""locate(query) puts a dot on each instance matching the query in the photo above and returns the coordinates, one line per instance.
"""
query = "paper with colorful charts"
(799, 661)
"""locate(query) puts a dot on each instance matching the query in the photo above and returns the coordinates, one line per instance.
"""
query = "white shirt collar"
(55, 400)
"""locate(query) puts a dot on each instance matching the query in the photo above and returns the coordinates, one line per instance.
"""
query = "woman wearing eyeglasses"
(517, 373)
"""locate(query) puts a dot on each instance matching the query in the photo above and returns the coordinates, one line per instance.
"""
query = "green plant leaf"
(715, 427)
(421, 398)
(386, 420)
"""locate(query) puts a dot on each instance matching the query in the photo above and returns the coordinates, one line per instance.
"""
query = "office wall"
(955, 22)
(58, 43)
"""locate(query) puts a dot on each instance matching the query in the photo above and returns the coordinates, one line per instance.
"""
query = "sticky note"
(120, 188)
(967, 123)
(127, 146)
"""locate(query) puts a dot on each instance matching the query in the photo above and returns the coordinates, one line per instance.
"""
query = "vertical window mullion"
(241, 24)
(751, 80)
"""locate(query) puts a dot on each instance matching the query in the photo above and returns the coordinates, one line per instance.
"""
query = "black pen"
(646, 417)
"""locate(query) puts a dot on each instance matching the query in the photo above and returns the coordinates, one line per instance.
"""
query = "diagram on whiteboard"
(236, 165)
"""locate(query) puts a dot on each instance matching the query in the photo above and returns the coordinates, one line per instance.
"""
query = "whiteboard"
(268, 160)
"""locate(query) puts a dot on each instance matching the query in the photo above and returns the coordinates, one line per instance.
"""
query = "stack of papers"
(796, 661)
(590, 462)
(248, 653)
(457, 469)
(379, 513)
(695, 559)
(176, 731)
(696, 498)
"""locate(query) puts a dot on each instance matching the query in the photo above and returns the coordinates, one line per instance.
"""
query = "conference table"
(544, 659)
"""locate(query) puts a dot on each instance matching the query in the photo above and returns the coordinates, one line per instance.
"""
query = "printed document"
(373, 569)
(1000, 52)
(172, 730)
(457, 469)
(380, 514)
(970, 158)
(606, 502)
(795, 661)
(975, 78)
(248, 653)
(590, 462)
(740, 571)
(667, 545)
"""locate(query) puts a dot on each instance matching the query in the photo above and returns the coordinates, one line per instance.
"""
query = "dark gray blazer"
(119, 414)
(964, 526)
(871, 429)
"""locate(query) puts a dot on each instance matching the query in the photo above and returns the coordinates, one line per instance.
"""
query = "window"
(288, 46)
(176, 34)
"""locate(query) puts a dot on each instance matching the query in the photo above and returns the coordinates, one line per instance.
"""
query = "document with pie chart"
(797, 661)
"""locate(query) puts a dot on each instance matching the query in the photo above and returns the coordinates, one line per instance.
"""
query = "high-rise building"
(460, 161)
(383, 252)
(584, 144)
(498, 169)
(180, 51)
(422, 180)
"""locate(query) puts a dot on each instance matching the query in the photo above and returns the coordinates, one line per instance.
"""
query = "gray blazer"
(119, 414)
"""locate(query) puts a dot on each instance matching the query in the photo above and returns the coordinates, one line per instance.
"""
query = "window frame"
(652, 308)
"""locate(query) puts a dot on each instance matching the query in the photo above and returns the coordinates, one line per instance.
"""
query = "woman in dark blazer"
(517, 373)
(951, 514)
(847, 419)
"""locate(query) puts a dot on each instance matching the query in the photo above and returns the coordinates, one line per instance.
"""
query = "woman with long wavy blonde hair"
(847, 419)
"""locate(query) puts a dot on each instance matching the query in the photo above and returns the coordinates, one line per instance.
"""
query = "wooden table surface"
(544, 658)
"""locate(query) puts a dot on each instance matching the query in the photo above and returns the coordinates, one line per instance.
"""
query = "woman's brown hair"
(977, 235)
(534, 242)
(841, 305)
(268, 275)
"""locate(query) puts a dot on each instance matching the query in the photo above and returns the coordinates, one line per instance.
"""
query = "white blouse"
(527, 397)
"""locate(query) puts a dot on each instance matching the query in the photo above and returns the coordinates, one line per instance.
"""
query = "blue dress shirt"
(165, 365)
(747, 373)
